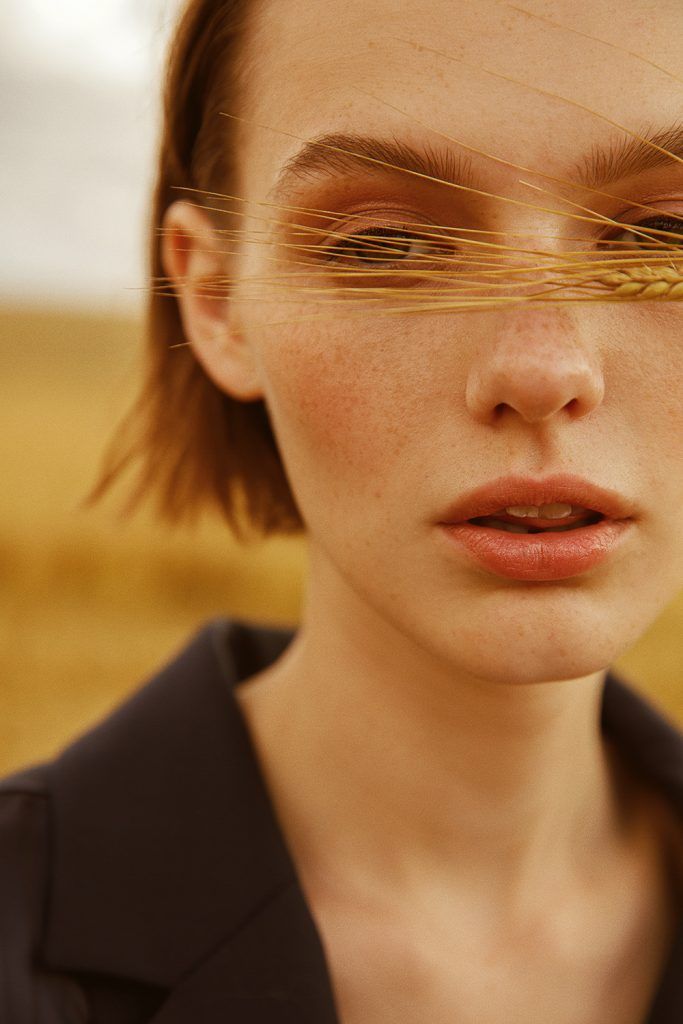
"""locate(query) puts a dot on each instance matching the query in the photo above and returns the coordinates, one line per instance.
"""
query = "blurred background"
(90, 606)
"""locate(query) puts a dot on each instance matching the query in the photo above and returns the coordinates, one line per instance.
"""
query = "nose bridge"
(536, 362)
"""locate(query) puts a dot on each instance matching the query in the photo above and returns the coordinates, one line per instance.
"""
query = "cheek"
(645, 373)
(340, 406)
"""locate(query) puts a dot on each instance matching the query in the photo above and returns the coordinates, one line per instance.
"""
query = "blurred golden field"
(90, 606)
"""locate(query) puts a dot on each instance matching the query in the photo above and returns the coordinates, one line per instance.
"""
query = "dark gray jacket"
(144, 878)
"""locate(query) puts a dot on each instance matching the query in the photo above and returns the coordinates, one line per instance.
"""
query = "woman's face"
(384, 422)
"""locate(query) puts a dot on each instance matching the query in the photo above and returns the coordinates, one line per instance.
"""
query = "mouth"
(557, 518)
(538, 530)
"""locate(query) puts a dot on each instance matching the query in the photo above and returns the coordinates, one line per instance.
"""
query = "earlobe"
(198, 268)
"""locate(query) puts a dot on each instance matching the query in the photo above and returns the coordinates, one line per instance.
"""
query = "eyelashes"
(665, 230)
(397, 246)
(384, 247)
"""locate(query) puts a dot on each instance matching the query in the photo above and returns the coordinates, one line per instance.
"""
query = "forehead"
(369, 66)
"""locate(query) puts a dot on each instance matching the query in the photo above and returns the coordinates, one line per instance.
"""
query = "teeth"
(523, 511)
(558, 510)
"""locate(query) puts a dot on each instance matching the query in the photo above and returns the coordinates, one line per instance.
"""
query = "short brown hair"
(194, 445)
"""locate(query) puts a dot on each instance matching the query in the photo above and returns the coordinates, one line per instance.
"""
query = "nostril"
(534, 387)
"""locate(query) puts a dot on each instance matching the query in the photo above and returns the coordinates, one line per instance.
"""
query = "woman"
(435, 802)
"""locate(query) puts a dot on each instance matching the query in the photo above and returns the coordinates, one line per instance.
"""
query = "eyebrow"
(335, 154)
(624, 157)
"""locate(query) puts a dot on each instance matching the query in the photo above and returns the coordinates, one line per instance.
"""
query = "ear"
(192, 258)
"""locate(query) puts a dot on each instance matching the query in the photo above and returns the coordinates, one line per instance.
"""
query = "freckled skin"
(377, 435)
(382, 422)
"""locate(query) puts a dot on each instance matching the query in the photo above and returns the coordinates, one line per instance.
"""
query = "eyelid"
(379, 249)
(638, 222)
(424, 228)
(363, 220)
(637, 215)
(368, 231)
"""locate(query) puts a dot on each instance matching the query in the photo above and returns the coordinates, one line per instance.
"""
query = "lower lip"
(539, 556)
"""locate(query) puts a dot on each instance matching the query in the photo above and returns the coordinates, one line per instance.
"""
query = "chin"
(525, 668)
(550, 645)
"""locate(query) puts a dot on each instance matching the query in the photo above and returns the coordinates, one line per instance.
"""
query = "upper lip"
(517, 490)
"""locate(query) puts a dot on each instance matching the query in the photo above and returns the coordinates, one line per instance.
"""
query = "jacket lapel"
(272, 972)
(169, 866)
(652, 744)
(654, 747)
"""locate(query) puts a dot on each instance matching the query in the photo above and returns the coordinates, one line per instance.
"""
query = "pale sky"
(78, 124)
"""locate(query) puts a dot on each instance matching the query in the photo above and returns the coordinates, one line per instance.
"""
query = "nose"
(537, 365)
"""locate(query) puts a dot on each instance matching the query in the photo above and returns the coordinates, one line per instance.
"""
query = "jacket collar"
(651, 743)
(167, 857)
(169, 866)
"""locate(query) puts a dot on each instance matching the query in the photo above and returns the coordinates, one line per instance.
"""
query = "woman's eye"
(653, 233)
(381, 247)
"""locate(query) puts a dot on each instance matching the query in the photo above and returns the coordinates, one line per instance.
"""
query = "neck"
(389, 766)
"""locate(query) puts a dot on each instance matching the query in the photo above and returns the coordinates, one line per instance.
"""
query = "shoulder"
(649, 740)
(98, 844)
(51, 812)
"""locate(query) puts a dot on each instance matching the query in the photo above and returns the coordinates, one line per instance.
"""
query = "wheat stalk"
(479, 273)
(641, 282)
